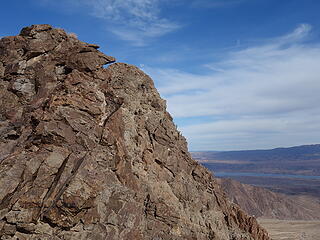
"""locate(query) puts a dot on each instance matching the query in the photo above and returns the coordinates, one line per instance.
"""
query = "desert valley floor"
(291, 230)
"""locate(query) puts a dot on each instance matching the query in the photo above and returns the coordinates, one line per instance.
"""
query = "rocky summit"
(90, 152)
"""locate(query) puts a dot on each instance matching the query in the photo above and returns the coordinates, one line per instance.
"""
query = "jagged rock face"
(91, 153)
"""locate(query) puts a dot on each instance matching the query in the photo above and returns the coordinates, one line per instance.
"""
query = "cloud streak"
(136, 21)
(262, 96)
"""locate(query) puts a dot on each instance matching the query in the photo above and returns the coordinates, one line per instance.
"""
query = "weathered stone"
(24, 87)
(1, 70)
(89, 152)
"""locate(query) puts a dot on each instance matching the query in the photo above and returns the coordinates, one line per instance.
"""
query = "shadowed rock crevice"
(89, 152)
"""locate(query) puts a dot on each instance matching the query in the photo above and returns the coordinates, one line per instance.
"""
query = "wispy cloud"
(136, 21)
(140, 33)
(264, 95)
(300, 33)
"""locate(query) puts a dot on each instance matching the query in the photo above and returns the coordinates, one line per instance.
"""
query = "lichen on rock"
(88, 152)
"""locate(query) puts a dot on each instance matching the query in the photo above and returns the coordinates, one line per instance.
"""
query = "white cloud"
(264, 96)
(136, 21)
(117, 9)
(300, 33)
(139, 34)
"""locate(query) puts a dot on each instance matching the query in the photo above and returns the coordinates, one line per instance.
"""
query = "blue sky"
(236, 74)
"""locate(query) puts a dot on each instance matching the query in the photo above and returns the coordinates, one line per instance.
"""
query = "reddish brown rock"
(91, 153)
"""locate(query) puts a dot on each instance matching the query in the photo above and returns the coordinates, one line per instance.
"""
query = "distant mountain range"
(304, 160)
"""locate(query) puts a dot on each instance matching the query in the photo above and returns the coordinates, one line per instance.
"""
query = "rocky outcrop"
(263, 203)
(88, 152)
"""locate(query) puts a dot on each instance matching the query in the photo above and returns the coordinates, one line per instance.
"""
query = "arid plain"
(291, 230)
